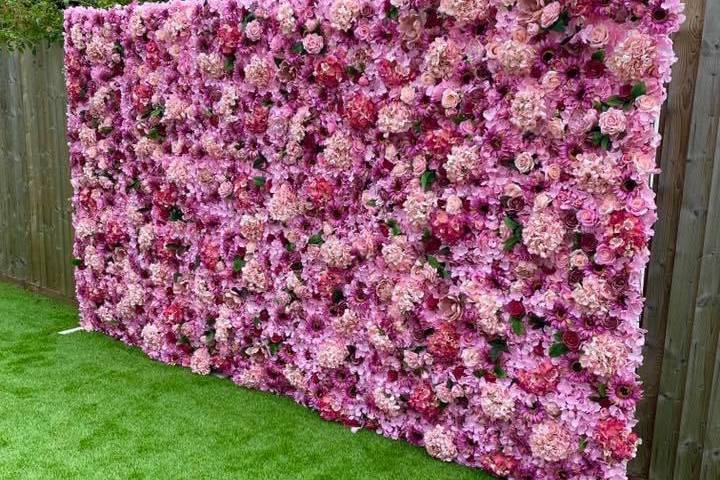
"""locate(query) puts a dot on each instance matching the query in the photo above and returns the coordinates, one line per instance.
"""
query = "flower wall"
(425, 218)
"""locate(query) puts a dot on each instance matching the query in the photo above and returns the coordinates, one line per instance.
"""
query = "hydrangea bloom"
(428, 218)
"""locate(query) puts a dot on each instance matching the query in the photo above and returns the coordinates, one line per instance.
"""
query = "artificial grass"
(88, 407)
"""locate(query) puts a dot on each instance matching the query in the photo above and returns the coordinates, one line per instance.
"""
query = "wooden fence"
(680, 414)
(35, 232)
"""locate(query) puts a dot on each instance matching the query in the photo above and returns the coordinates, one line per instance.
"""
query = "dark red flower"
(329, 71)
(588, 242)
(228, 36)
(422, 400)
(256, 120)
(360, 112)
(443, 343)
(571, 339)
(448, 228)
(515, 308)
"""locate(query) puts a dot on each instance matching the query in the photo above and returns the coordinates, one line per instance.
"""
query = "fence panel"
(35, 230)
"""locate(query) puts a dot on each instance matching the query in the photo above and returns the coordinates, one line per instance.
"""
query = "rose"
(636, 206)
(253, 31)
(362, 31)
(596, 36)
(552, 80)
(571, 339)
(604, 255)
(549, 15)
(407, 94)
(578, 259)
(612, 121)
(647, 103)
(515, 308)
(524, 162)
(450, 98)
(587, 217)
(454, 205)
(313, 43)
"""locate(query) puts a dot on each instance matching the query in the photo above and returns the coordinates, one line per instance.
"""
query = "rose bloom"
(612, 122)
(253, 31)
(313, 43)
(596, 36)
(524, 162)
(450, 98)
(549, 15)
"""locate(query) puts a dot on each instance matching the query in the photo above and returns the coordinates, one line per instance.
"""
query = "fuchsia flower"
(424, 218)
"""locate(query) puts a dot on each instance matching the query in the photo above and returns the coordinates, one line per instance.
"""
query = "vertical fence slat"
(711, 452)
(675, 134)
(704, 343)
(689, 248)
(5, 160)
(16, 179)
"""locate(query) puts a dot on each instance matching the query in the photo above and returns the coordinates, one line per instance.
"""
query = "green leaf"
(499, 372)
(371, 203)
(605, 142)
(582, 444)
(561, 23)
(260, 162)
(599, 55)
(290, 247)
(497, 347)
(229, 64)
(638, 90)
(438, 266)
(459, 118)
(558, 349)
(510, 243)
(517, 325)
(602, 390)
(393, 13)
(154, 134)
(595, 137)
(77, 262)
(511, 223)
(427, 179)
(135, 185)
(298, 48)
(316, 240)
(393, 226)
(175, 214)
(259, 181)
(238, 264)
(337, 296)
(274, 347)
(615, 102)
(248, 18)
(434, 262)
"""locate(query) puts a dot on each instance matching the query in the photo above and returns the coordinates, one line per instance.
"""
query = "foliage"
(27, 23)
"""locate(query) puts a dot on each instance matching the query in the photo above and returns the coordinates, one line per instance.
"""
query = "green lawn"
(84, 406)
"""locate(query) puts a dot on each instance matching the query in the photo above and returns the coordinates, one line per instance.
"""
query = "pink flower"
(551, 441)
(313, 43)
(612, 121)
(550, 13)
